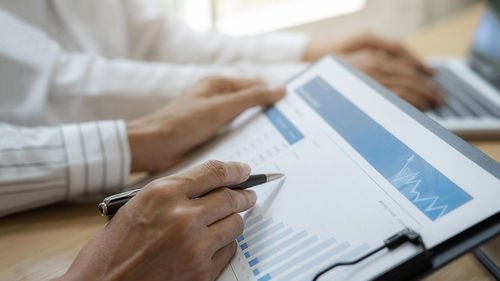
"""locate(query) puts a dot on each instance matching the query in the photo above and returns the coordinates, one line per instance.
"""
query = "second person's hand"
(161, 139)
(387, 61)
(322, 46)
(398, 76)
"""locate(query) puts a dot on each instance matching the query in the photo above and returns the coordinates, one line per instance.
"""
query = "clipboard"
(428, 259)
(434, 258)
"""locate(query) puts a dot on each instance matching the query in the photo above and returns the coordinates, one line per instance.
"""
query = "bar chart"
(274, 251)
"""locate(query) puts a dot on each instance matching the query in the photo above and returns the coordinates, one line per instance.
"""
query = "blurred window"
(246, 17)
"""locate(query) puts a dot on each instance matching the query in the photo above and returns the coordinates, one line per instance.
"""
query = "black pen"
(110, 205)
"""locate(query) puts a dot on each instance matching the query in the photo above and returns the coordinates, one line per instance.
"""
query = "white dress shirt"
(72, 61)
(43, 165)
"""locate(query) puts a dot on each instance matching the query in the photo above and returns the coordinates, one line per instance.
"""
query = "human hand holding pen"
(163, 234)
(111, 204)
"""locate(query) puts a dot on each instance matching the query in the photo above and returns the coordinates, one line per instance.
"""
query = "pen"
(110, 205)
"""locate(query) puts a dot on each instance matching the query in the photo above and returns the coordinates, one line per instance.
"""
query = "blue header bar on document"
(422, 184)
(283, 125)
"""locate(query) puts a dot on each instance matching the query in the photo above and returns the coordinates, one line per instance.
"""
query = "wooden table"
(39, 245)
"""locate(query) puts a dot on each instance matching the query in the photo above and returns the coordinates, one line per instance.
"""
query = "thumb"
(253, 96)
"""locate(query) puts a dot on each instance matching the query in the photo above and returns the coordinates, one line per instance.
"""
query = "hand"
(165, 234)
(161, 139)
(394, 74)
(321, 47)
(386, 61)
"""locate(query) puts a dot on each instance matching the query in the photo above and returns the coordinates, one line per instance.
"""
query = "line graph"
(421, 183)
(427, 194)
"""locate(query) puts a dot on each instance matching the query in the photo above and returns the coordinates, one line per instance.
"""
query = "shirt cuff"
(98, 156)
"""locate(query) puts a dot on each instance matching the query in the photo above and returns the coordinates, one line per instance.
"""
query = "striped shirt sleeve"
(44, 165)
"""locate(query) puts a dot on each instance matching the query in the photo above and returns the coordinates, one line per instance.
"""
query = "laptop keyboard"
(463, 100)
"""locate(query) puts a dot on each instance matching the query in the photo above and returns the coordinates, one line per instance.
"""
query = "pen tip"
(271, 177)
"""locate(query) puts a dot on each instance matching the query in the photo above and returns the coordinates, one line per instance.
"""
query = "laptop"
(472, 108)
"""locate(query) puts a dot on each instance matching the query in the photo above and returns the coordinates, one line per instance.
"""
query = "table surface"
(40, 244)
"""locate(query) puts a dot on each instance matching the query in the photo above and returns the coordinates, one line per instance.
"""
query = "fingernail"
(245, 168)
(252, 196)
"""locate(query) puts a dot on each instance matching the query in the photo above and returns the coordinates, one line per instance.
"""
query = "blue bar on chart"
(268, 243)
(249, 223)
(283, 125)
(252, 231)
(267, 233)
(422, 184)
(314, 262)
(354, 253)
(283, 256)
(299, 259)
(273, 250)
(253, 220)
(257, 228)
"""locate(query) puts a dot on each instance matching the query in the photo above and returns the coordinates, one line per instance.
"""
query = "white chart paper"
(358, 170)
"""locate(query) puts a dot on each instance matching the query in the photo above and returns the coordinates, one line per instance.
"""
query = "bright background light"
(395, 18)
(281, 14)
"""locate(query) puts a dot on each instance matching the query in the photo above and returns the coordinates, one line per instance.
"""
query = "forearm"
(60, 87)
(179, 44)
(44, 165)
(85, 88)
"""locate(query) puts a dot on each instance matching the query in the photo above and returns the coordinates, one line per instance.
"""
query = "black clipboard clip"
(393, 242)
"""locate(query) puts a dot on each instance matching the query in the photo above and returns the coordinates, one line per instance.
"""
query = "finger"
(224, 202)
(421, 86)
(223, 85)
(411, 97)
(222, 257)
(399, 73)
(211, 175)
(237, 84)
(400, 50)
(418, 86)
(404, 52)
(224, 231)
(253, 96)
(397, 49)
(395, 66)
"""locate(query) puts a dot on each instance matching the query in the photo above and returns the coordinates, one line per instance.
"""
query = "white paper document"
(358, 170)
